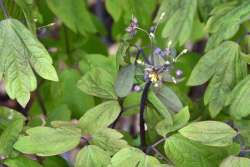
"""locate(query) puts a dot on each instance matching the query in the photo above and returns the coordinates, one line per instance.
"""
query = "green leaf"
(114, 8)
(233, 161)
(97, 60)
(184, 152)
(169, 99)
(55, 161)
(21, 162)
(74, 14)
(212, 133)
(239, 101)
(45, 141)
(61, 113)
(98, 82)
(124, 81)
(109, 140)
(77, 101)
(245, 57)
(132, 103)
(160, 107)
(11, 124)
(99, 117)
(225, 21)
(141, 9)
(20, 51)
(132, 157)
(121, 52)
(179, 120)
(205, 7)
(92, 156)
(178, 27)
(29, 12)
(224, 66)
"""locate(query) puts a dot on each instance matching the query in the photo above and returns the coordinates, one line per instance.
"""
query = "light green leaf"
(21, 162)
(132, 157)
(20, 52)
(178, 29)
(74, 14)
(92, 156)
(109, 140)
(212, 133)
(99, 117)
(225, 21)
(179, 120)
(225, 67)
(184, 152)
(45, 141)
(169, 99)
(98, 82)
(124, 81)
(245, 57)
(160, 107)
(11, 124)
(239, 101)
(233, 161)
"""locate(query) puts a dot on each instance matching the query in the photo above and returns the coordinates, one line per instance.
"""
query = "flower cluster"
(159, 65)
(132, 28)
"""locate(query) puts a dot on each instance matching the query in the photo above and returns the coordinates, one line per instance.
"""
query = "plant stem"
(142, 109)
(5, 13)
(66, 42)
(160, 155)
(41, 103)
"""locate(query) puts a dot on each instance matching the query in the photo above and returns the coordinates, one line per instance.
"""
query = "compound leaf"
(225, 21)
(224, 65)
(20, 52)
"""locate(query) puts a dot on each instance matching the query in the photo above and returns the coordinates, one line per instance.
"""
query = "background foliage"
(75, 91)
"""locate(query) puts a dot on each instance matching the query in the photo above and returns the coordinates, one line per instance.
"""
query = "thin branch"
(158, 142)
(142, 109)
(140, 51)
(5, 12)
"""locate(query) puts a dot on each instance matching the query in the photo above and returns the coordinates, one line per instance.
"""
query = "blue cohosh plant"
(157, 66)
(105, 110)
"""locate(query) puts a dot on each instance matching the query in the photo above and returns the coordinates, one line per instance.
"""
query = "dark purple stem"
(142, 109)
